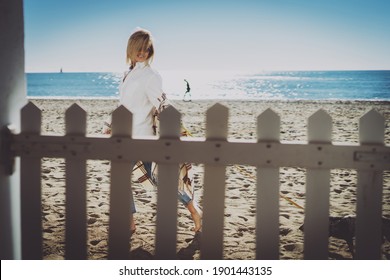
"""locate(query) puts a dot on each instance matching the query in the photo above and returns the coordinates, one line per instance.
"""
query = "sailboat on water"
(61, 70)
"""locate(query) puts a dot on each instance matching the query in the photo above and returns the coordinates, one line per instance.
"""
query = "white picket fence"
(268, 154)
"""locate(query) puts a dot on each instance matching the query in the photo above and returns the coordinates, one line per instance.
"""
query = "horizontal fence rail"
(219, 152)
(370, 158)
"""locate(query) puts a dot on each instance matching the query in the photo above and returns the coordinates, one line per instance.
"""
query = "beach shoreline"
(239, 229)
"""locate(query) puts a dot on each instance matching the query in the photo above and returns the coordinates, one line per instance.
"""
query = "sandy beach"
(239, 232)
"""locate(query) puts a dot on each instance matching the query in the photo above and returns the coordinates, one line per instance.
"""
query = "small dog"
(344, 228)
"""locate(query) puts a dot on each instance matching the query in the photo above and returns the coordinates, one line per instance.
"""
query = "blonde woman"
(141, 93)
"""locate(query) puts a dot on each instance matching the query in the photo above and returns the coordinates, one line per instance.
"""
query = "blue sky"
(243, 35)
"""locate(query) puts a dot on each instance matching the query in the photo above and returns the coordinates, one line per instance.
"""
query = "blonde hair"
(140, 40)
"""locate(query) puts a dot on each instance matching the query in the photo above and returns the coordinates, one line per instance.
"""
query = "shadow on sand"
(186, 253)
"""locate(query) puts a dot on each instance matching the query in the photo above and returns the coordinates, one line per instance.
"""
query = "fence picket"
(214, 186)
(168, 176)
(75, 172)
(317, 190)
(369, 192)
(121, 194)
(30, 183)
(267, 202)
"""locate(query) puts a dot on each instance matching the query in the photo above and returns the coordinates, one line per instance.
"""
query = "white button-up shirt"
(141, 92)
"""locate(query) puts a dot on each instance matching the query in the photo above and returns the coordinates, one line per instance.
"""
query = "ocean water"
(282, 85)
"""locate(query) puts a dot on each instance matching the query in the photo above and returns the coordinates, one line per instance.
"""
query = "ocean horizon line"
(108, 98)
(216, 70)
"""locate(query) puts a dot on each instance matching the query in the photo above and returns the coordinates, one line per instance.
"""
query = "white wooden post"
(30, 184)
(167, 191)
(121, 194)
(267, 202)
(214, 186)
(12, 99)
(316, 232)
(369, 192)
(75, 172)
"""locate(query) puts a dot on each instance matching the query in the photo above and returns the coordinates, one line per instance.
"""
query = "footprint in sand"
(284, 231)
(95, 242)
(245, 219)
(285, 216)
(91, 221)
(46, 171)
(289, 247)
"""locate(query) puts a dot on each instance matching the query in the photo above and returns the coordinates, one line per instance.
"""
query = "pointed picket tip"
(372, 128)
(268, 113)
(75, 120)
(320, 127)
(170, 112)
(320, 116)
(121, 113)
(170, 122)
(268, 126)
(31, 117)
(373, 115)
(217, 107)
(75, 110)
(122, 122)
(31, 108)
(217, 122)
(217, 110)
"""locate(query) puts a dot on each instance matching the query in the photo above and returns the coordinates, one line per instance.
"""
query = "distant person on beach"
(187, 91)
(141, 93)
